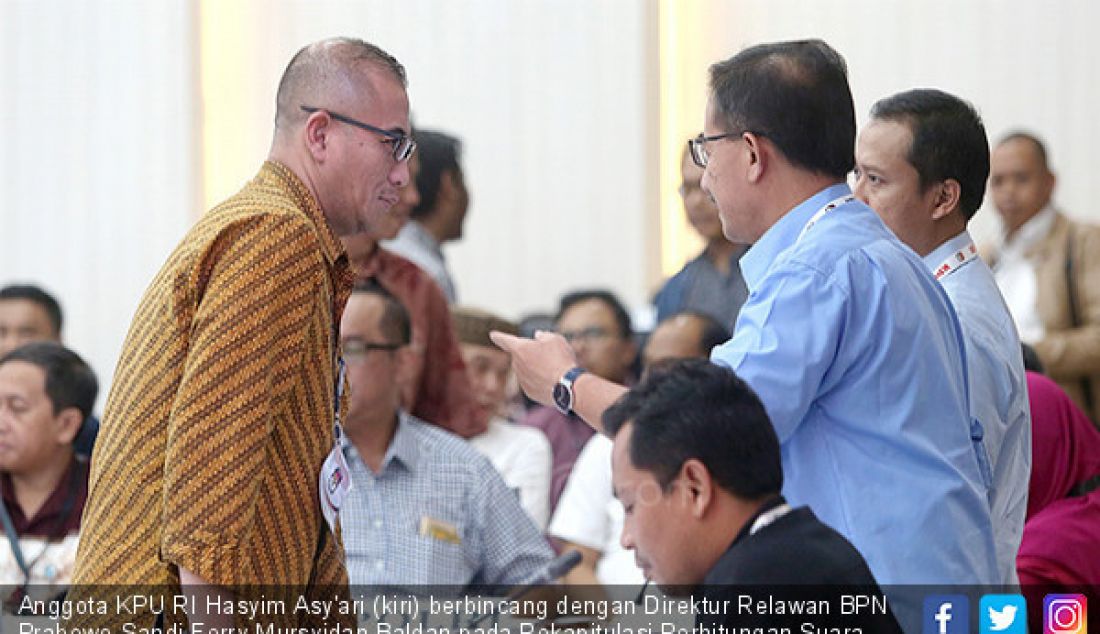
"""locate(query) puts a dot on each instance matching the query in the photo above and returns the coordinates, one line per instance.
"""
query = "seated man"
(589, 519)
(425, 507)
(696, 466)
(46, 392)
(597, 327)
(436, 388)
(28, 313)
(521, 454)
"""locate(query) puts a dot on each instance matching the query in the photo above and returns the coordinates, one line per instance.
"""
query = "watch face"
(561, 398)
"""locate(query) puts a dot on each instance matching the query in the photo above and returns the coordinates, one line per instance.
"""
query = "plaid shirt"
(437, 513)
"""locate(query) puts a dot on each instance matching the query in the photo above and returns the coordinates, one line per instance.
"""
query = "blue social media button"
(1002, 614)
(946, 614)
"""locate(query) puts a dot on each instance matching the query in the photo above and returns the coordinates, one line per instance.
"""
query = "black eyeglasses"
(698, 146)
(355, 348)
(403, 144)
(591, 333)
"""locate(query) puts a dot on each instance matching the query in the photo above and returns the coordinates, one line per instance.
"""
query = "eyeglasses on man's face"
(357, 349)
(403, 144)
(592, 333)
(698, 146)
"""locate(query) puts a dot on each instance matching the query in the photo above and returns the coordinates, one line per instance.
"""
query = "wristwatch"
(563, 391)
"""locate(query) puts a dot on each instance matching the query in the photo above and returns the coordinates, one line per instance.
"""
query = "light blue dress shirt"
(857, 355)
(998, 391)
(432, 477)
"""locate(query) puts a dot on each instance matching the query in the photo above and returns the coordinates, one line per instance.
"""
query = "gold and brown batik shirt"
(221, 410)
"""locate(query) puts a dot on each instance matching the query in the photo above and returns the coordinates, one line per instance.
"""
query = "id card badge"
(334, 481)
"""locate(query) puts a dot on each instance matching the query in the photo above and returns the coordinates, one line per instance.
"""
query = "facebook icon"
(946, 614)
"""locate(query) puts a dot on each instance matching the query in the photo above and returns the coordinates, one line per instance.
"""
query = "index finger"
(505, 341)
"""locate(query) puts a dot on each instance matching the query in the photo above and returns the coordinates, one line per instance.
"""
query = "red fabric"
(1061, 542)
(1065, 445)
(567, 436)
(439, 391)
(45, 522)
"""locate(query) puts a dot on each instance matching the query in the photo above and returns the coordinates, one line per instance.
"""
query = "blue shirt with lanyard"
(857, 356)
(999, 410)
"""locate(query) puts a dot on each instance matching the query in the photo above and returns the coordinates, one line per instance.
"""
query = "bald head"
(329, 74)
(682, 336)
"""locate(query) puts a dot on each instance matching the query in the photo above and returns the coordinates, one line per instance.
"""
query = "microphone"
(556, 569)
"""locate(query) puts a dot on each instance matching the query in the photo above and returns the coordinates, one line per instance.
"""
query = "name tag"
(438, 529)
(334, 482)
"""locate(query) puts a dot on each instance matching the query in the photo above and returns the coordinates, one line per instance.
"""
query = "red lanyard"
(956, 261)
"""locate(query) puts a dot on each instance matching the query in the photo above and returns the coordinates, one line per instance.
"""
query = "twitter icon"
(1002, 614)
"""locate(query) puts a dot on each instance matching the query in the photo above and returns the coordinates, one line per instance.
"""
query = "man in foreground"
(700, 487)
(206, 474)
(426, 508)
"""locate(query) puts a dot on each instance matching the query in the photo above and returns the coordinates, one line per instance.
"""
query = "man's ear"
(758, 156)
(66, 425)
(698, 486)
(316, 130)
(404, 359)
(947, 198)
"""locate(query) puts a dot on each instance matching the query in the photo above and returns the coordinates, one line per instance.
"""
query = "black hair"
(1035, 141)
(693, 409)
(396, 326)
(38, 296)
(796, 94)
(1032, 363)
(949, 141)
(439, 153)
(712, 333)
(70, 382)
(622, 318)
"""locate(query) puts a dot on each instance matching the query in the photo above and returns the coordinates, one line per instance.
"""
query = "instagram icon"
(1065, 614)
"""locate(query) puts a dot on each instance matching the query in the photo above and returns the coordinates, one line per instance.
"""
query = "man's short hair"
(318, 67)
(622, 318)
(439, 153)
(949, 141)
(1034, 140)
(396, 326)
(711, 333)
(38, 296)
(693, 409)
(473, 325)
(70, 382)
(796, 94)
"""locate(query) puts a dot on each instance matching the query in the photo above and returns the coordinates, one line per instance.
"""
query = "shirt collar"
(404, 447)
(50, 509)
(1031, 232)
(422, 236)
(940, 254)
(759, 258)
(281, 176)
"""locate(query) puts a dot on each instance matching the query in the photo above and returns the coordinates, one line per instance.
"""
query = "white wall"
(1022, 63)
(97, 170)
